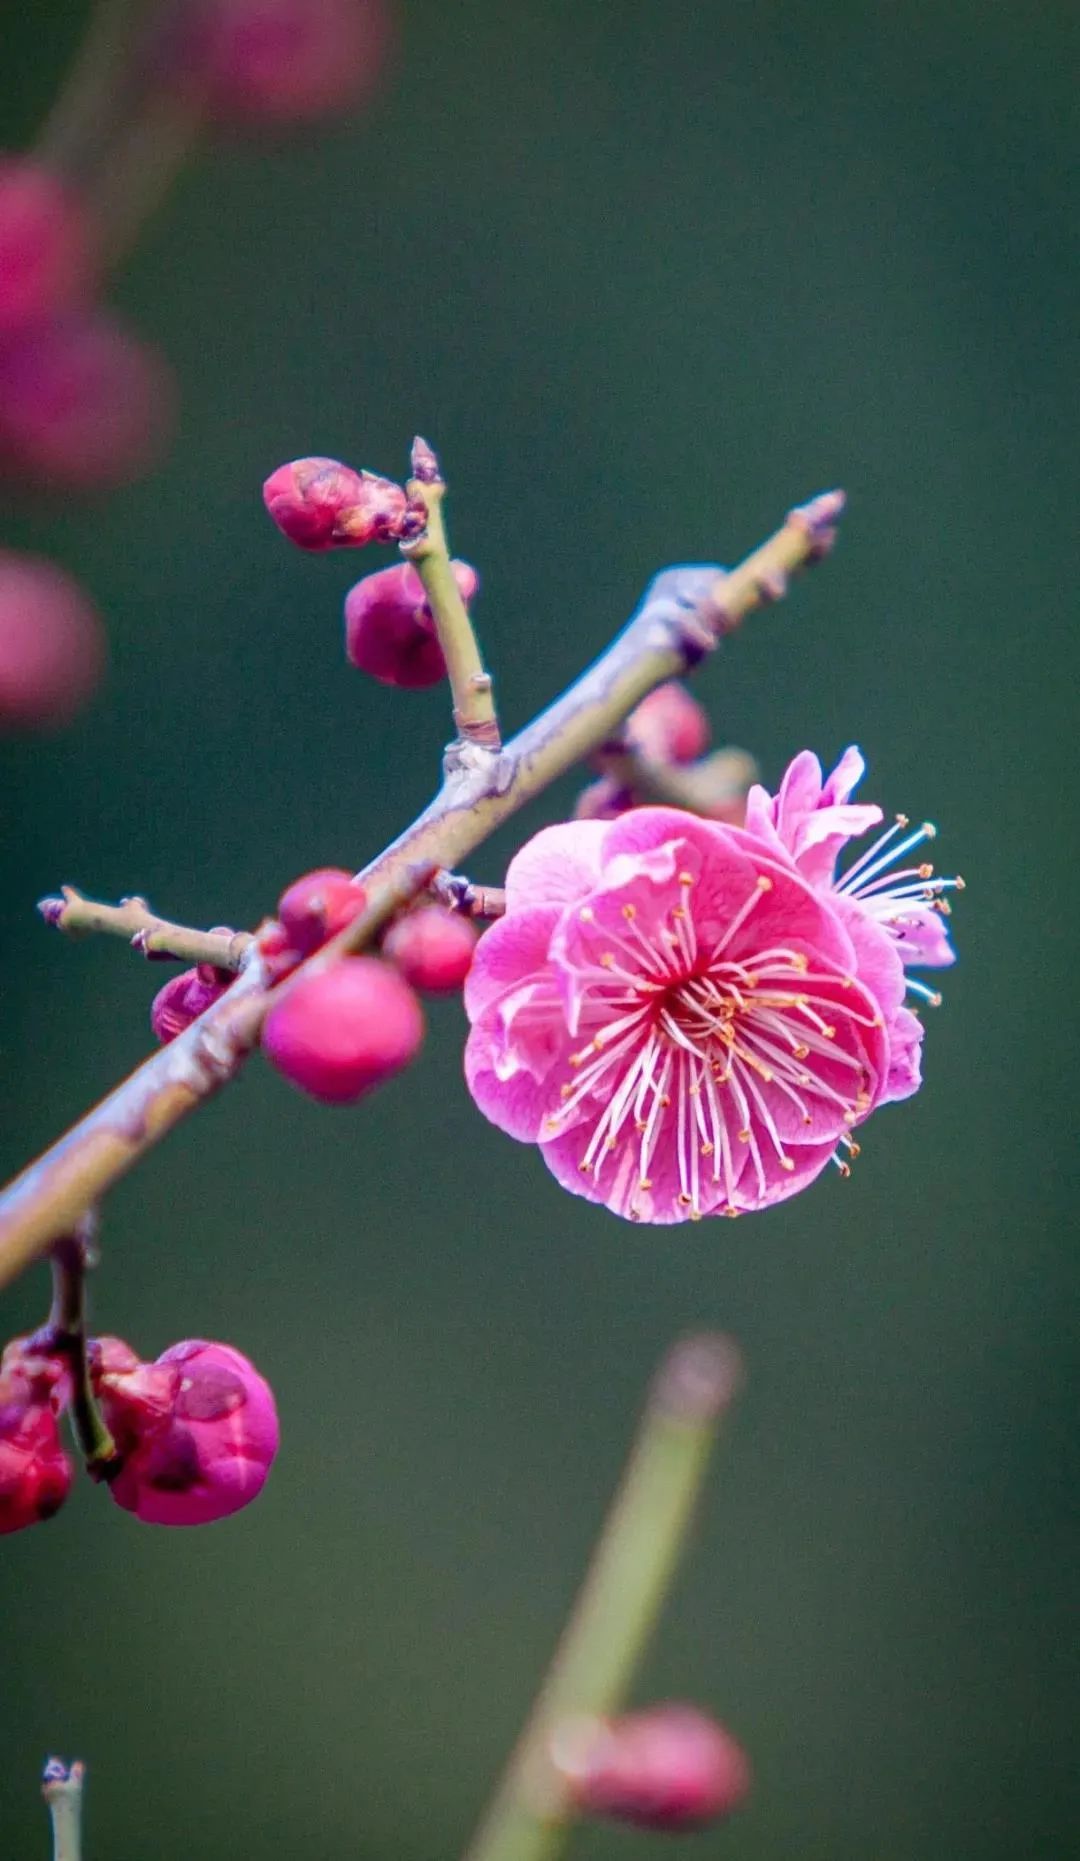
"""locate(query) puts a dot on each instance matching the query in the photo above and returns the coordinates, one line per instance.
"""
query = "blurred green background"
(646, 274)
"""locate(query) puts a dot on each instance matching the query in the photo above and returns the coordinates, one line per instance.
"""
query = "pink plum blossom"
(813, 819)
(680, 1019)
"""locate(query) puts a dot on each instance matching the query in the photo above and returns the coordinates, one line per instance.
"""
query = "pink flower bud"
(197, 1431)
(35, 1473)
(30, 1366)
(669, 725)
(322, 504)
(602, 801)
(183, 999)
(389, 630)
(52, 644)
(669, 1768)
(338, 1034)
(45, 263)
(282, 61)
(432, 948)
(317, 906)
(83, 404)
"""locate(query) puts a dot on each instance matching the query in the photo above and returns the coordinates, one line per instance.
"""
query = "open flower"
(812, 819)
(683, 1022)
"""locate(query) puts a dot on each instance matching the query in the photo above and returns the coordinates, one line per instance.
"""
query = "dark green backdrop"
(646, 273)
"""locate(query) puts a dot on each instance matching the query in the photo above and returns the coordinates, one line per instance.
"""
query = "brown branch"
(152, 936)
(685, 612)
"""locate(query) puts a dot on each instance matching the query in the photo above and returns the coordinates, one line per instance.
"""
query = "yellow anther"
(787, 1163)
(629, 912)
(645, 1183)
(686, 878)
(764, 883)
(707, 1148)
(586, 914)
(607, 960)
(695, 1214)
(926, 871)
(801, 1050)
(743, 1136)
(684, 1200)
(929, 830)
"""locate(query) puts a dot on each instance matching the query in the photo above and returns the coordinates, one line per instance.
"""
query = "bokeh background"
(646, 273)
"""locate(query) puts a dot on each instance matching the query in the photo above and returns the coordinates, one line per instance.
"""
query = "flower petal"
(558, 865)
(512, 948)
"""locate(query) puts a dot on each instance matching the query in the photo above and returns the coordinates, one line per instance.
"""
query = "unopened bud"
(196, 1431)
(279, 61)
(669, 725)
(183, 999)
(45, 262)
(35, 1473)
(389, 629)
(603, 800)
(52, 644)
(316, 907)
(433, 948)
(322, 504)
(671, 1767)
(339, 1034)
(83, 404)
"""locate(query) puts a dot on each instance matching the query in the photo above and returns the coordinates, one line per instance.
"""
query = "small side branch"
(627, 1581)
(72, 1258)
(470, 683)
(62, 1787)
(150, 935)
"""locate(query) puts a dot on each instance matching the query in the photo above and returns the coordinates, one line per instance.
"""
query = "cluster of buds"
(194, 1434)
(85, 403)
(321, 504)
(669, 732)
(338, 1032)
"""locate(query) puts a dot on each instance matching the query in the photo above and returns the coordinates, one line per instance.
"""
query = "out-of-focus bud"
(35, 1473)
(52, 644)
(45, 247)
(389, 630)
(602, 801)
(184, 998)
(669, 725)
(196, 1431)
(339, 1034)
(279, 61)
(316, 907)
(83, 404)
(671, 1767)
(322, 504)
(433, 948)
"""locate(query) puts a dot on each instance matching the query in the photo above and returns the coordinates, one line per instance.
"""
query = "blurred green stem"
(470, 683)
(531, 1814)
(62, 1789)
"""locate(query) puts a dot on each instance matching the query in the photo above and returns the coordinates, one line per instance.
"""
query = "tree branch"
(152, 936)
(684, 614)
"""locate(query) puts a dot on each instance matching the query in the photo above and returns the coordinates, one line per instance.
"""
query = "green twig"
(603, 1642)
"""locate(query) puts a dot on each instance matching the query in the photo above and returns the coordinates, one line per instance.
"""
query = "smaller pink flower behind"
(197, 1430)
(671, 1767)
(680, 1019)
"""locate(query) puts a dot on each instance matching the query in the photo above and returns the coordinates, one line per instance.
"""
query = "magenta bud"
(183, 999)
(603, 800)
(389, 629)
(671, 1767)
(52, 644)
(432, 948)
(340, 1033)
(322, 504)
(35, 1473)
(197, 1431)
(318, 906)
(280, 61)
(83, 404)
(669, 725)
(45, 247)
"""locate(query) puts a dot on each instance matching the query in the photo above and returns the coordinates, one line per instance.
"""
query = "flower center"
(694, 1054)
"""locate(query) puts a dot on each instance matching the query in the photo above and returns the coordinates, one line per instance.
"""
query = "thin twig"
(627, 1581)
(680, 619)
(152, 936)
(72, 1256)
(470, 683)
(62, 1787)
